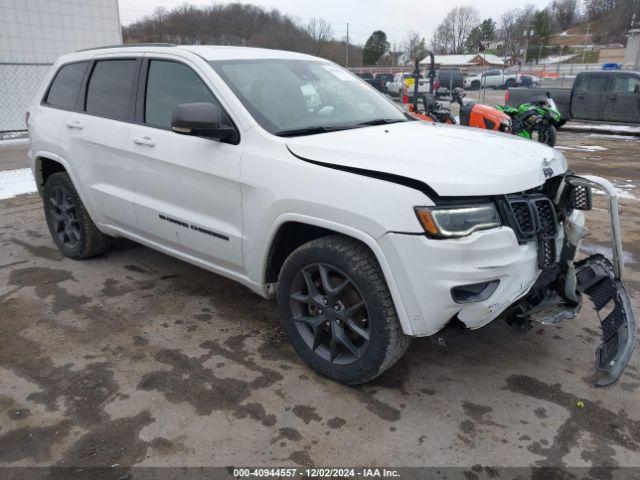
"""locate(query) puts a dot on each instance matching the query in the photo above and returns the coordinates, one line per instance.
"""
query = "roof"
(451, 60)
(207, 52)
(211, 52)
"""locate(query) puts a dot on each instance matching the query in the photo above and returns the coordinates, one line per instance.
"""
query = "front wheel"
(337, 311)
(548, 135)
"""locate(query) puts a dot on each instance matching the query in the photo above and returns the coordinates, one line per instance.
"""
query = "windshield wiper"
(311, 130)
(382, 121)
(335, 128)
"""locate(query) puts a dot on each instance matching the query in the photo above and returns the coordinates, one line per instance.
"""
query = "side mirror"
(201, 120)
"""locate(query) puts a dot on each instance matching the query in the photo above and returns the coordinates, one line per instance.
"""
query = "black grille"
(546, 252)
(522, 212)
(580, 197)
(547, 220)
(533, 216)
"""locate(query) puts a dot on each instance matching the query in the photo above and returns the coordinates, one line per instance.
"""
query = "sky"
(395, 17)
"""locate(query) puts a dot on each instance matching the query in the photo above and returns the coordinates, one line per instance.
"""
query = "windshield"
(301, 97)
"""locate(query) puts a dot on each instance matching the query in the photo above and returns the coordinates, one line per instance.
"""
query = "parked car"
(395, 87)
(214, 155)
(384, 78)
(446, 81)
(606, 96)
(499, 79)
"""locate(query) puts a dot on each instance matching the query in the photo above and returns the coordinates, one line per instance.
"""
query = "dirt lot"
(135, 358)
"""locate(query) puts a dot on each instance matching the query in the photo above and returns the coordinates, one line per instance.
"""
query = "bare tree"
(415, 46)
(320, 31)
(452, 34)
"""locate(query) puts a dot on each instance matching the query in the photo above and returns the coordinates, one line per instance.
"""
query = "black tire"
(71, 228)
(344, 260)
(475, 85)
(548, 135)
(510, 83)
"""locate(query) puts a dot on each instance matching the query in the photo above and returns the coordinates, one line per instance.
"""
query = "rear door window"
(598, 83)
(110, 88)
(169, 84)
(66, 85)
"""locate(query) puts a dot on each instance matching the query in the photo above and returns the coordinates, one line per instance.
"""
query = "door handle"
(581, 95)
(144, 141)
(74, 124)
(613, 97)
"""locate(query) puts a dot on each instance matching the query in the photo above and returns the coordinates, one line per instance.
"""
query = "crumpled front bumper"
(601, 281)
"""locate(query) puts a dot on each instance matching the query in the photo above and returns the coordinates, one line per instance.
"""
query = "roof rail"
(127, 45)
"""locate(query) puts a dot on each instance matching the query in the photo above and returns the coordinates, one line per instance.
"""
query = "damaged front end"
(557, 294)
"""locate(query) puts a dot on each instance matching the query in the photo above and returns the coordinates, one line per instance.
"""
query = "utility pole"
(346, 62)
(586, 36)
(528, 33)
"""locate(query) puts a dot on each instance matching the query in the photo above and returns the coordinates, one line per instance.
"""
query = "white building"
(33, 33)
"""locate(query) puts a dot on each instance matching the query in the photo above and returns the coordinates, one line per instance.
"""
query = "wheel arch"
(46, 164)
(309, 228)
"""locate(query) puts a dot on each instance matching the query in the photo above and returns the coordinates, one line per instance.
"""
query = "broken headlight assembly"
(456, 222)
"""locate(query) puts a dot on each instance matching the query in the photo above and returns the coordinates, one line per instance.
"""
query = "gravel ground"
(136, 358)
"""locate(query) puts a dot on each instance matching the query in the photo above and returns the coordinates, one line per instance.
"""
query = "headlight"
(454, 222)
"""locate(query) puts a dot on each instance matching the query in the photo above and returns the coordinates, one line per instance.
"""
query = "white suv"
(292, 176)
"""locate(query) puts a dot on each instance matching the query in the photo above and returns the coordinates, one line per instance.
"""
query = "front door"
(187, 191)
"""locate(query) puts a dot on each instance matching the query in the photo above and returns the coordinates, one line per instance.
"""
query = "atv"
(471, 114)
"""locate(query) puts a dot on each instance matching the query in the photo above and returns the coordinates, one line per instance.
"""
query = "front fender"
(365, 238)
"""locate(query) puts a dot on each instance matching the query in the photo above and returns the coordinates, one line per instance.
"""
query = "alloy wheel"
(64, 217)
(330, 314)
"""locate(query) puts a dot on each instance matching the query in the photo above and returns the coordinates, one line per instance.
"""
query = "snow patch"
(612, 136)
(584, 148)
(556, 59)
(606, 128)
(624, 191)
(16, 182)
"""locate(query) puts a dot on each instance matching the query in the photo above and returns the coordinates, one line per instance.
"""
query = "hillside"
(239, 24)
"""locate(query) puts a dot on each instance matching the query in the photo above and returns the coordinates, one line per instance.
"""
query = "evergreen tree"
(376, 46)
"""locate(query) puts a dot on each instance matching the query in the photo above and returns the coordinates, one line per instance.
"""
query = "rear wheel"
(475, 85)
(510, 83)
(337, 311)
(73, 231)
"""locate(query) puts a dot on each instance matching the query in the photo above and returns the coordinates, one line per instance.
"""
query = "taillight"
(507, 96)
(26, 118)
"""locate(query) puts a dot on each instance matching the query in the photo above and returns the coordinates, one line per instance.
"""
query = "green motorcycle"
(540, 117)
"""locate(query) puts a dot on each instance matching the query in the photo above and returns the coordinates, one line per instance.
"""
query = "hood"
(450, 160)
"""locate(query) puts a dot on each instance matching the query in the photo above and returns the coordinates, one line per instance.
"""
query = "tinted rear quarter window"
(66, 85)
(110, 87)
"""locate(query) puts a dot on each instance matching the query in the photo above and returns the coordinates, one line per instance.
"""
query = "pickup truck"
(499, 79)
(606, 96)
(394, 87)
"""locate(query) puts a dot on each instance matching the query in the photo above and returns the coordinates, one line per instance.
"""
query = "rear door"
(623, 102)
(187, 190)
(96, 137)
(590, 96)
